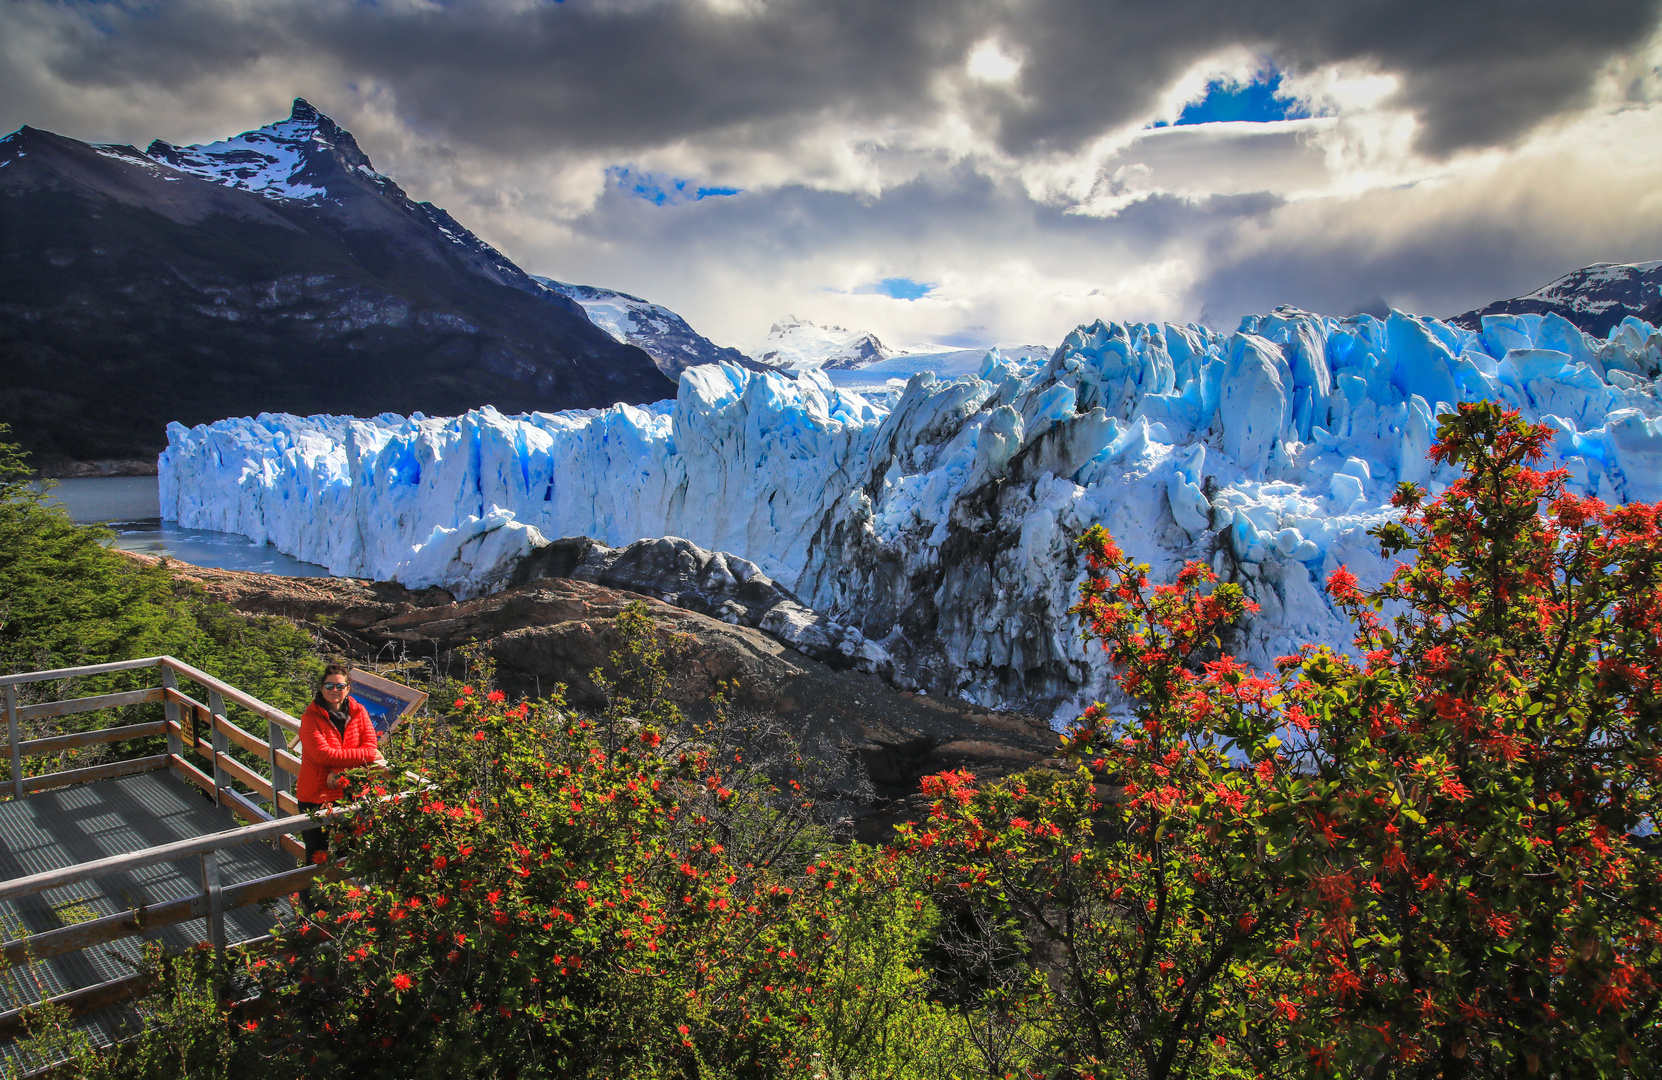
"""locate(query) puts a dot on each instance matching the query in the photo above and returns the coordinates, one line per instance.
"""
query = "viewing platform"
(98, 859)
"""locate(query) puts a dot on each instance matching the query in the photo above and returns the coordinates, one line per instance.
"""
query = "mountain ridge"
(275, 271)
(1595, 297)
(665, 336)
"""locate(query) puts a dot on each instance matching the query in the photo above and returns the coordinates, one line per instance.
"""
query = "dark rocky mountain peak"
(275, 271)
(1594, 298)
(666, 336)
(295, 158)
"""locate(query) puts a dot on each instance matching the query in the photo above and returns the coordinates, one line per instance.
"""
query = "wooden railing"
(197, 727)
(212, 903)
(192, 727)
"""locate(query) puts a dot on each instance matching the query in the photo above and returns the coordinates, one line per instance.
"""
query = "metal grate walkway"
(55, 829)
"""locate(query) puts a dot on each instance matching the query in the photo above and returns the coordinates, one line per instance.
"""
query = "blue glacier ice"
(940, 519)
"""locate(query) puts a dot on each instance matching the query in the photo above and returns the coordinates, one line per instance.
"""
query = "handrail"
(231, 693)
(219, 693)
(76, 672)
(179, 849)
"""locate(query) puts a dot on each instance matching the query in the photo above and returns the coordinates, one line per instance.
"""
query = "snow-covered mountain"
(889, 376)
(665, 336)
(310, 160)
(797, 345)
(943, 526)
(1594, 298)
(275, 270)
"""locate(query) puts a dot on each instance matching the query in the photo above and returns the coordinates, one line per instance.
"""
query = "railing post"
(174, 713)
(14, 730)
(221, 741)
(216, 909)
(276, 737)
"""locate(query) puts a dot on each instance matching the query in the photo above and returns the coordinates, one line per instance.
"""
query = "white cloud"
(989, 63)
(1005, 158)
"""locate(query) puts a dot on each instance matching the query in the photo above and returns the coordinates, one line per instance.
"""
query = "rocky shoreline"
(556, 631)
(50, 467)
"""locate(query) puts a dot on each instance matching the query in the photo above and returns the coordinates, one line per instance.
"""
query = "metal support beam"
(222, 744)
(175, 713)
(216, 904)
(15, 733)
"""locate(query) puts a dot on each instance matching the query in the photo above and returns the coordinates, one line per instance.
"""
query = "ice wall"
(944, 526)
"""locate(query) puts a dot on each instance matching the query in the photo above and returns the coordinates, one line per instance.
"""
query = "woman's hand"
(334, 780)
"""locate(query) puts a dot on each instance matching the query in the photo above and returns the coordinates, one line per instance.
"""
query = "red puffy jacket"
(323, 749)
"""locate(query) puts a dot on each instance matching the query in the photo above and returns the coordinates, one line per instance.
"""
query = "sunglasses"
(336, 685)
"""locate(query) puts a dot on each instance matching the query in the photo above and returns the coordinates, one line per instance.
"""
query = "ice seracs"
(939, 522)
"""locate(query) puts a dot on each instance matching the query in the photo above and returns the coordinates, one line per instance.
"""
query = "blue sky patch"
(899, 288)
(1258, 102)
(663, 191)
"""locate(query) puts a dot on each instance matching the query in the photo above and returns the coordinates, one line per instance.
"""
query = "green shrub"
(67, 600)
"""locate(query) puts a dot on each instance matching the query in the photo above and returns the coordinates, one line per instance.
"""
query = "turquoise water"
(130, 508)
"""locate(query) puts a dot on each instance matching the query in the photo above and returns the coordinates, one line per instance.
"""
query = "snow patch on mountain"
(269, 160)
(1595, 298)
(798, 345)
(884, 378)
(942, 524)
(665, 336)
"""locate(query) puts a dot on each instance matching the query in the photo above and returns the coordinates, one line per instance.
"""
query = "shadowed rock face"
(1594, 298)
(557, 631)
(712, 583)
(286, 275)
(666, 337)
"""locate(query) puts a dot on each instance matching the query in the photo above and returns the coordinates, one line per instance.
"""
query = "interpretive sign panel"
(386, 702)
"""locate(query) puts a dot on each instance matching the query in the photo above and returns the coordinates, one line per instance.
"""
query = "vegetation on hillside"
(67, 600)
(1431, 856)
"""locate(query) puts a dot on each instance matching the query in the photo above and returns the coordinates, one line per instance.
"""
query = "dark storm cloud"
(925, 214)
(1475, 74)
(638, 74)
(1442, 264)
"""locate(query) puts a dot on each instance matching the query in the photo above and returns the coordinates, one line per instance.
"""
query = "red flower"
(402, 982)
(496, 695)
(1341, 584)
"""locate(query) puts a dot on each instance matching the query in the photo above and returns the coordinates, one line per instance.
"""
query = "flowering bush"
(546, 894)
(1469, 808)
(1453, 865)
(1127, 909)
(1434, 858)
(529, 900)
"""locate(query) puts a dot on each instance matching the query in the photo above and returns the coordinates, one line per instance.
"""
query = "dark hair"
(334, 669)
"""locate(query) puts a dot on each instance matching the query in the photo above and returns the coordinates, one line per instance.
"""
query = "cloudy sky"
(957, 171)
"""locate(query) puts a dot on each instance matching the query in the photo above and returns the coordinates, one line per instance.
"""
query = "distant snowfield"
(894, 372)
(940, 518)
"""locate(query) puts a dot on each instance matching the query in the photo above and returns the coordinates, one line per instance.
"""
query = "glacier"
(939, 521)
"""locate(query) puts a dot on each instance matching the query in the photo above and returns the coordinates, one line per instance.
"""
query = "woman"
(335, 735)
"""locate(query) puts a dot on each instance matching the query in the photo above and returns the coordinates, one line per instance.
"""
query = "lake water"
(129, 507)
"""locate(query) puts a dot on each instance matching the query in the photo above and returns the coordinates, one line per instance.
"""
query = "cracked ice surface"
(941, 523)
